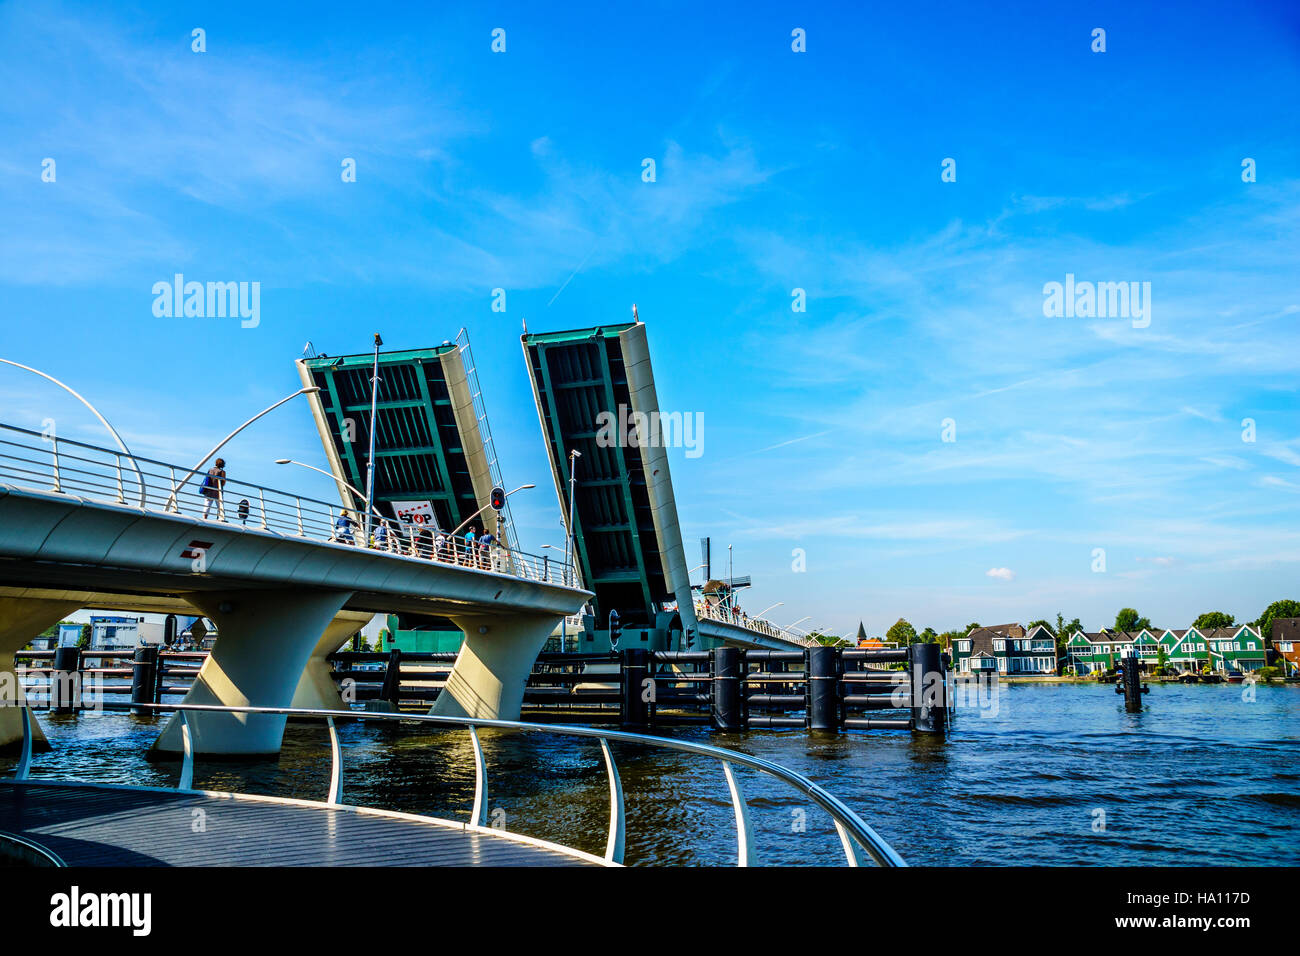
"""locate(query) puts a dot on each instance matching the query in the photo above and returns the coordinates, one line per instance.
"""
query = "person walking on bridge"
(213, 482)
(343, 529)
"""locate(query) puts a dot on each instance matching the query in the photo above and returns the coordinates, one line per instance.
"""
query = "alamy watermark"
(77, 690)
(629, 429)
(1098, 300)
(978, 691)
(212, 300)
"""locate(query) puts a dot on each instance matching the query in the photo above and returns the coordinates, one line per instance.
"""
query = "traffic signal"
(615, 630)
(498, 498)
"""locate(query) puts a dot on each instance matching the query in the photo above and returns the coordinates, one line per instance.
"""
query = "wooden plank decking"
(89, 825)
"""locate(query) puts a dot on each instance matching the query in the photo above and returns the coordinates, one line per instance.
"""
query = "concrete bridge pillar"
(21, 619)
(264, 641)
(493, 665)
(316, 689)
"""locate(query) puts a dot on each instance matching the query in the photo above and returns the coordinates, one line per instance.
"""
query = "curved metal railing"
(856, 837)
(25, 852)
(712, 612)
(48, 463)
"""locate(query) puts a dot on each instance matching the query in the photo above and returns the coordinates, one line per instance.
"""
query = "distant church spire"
(862, 632)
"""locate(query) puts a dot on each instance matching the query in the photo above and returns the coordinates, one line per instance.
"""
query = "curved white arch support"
(316, 689)
(493, 665)
(21, 619)
(264, 640)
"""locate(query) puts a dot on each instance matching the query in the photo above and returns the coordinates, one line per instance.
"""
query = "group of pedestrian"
(722, 612)
(476, 549)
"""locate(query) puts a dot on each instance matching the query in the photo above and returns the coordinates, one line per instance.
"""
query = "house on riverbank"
(1005, 649)
(1222, 649)
(1286, 642)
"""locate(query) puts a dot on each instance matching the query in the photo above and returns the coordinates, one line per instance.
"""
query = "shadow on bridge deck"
(101, 825)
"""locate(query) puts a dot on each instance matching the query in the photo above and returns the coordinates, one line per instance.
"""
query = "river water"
(1054, 774)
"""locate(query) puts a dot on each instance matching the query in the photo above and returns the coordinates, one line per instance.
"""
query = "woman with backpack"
(213, 482)
(343, 529)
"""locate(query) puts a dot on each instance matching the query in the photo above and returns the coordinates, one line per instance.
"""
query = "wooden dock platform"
(102, 825)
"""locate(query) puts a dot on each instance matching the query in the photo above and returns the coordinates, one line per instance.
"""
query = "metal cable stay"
(858, 840)
(485, 430)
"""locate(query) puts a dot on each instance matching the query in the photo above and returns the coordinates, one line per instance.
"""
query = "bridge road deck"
(93, 825)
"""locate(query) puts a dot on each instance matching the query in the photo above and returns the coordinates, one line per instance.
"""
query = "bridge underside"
(281, 604)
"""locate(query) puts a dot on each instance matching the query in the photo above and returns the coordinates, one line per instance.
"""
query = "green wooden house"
(1221, 649)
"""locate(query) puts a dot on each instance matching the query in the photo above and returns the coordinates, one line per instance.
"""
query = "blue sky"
(776, 170)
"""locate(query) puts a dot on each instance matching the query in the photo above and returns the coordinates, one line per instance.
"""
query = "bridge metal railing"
(719, 612)
(33, 460)
(859, 841)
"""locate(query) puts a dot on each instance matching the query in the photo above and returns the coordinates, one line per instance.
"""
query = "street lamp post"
(370, 461)
(171, 501)
(731, 582)
(94, 411)
(688, 580)
(355, 491)
(564, 621)
(571, 539)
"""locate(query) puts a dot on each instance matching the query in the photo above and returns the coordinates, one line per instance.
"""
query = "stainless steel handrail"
(68, 469)
(759, 625)
(33, 851)
(856, 837)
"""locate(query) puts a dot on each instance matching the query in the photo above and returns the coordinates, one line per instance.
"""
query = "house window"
(999, 645)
